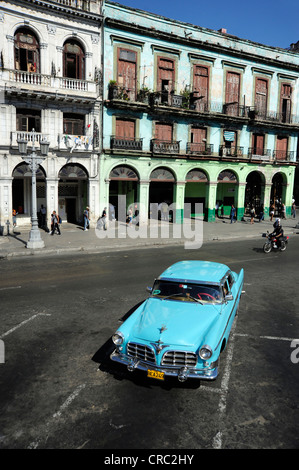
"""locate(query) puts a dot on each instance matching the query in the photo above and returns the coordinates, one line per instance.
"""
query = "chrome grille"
(141, 351)
(179, 358)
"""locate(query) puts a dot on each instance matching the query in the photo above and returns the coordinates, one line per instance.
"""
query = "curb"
(100, 249)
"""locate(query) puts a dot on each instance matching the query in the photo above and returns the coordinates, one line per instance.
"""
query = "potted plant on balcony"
(185, 97)
(143, 95)
(112, 90)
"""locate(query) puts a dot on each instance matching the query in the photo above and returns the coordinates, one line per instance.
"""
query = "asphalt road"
(59, 391)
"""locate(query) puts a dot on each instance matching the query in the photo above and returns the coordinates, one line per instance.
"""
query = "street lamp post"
(33, 161)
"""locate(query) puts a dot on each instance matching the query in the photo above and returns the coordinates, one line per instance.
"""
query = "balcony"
(231, 152)
(123, 143)
(272, 116)
(259, 154)
(165, 147)
(28, 137)
(37, 83)
(234, 109)
(75, 143)
(200, 148)
(283, 156)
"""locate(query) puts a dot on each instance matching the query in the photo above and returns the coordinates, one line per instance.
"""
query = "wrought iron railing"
(163, 146)
(123, 143)
(256, 153)
(200, 148)
(283, 155)
(233, 151)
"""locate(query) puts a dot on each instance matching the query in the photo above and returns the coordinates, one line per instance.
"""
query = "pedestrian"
(130, 215)
(43, 212)
(283, 211)
(272, 210)
(221, 207)
(14, 218)
(86, 218)
(294, 210)
(232, 214)
(252, 214)
(261, 214)
(217, 209)
(55, 223)
(105, 218)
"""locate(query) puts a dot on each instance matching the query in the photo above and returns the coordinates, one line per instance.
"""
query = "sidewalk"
(119, 237)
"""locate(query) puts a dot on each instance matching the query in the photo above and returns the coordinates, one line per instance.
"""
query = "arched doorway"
(72, 192)
(21, 189)
(161, 188)
(254, 192)
(195, 190)
(227, 190)
(277, 192)
(123, 181)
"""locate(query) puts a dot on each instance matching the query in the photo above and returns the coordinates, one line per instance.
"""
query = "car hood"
(174, 322)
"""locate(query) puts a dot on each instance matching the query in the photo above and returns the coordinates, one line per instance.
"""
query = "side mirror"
(149, 289)
(229, 297)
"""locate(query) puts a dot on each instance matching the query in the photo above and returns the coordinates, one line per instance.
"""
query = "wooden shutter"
(261, 94)
(126, 72)
(201, 86)
(285, 102)
(258, 141)
(163, 132)
(281, 148)
(166, 73)
(232, 93)
(125, 129)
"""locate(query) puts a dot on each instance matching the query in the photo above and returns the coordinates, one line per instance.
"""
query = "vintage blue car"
(184, 325)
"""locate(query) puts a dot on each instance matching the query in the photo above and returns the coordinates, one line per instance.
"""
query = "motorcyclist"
(277, 233)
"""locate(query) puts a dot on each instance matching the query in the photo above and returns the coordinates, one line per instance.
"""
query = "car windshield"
(185, 291)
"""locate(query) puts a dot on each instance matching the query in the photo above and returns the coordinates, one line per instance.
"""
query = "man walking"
(232, 214)
(86, 218)
(55, 223)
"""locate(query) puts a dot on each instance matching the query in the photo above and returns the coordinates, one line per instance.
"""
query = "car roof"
(194, 270)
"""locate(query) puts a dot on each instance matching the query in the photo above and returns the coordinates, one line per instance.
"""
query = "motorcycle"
(271, 244)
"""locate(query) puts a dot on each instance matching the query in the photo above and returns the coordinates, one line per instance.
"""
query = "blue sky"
(257, 20)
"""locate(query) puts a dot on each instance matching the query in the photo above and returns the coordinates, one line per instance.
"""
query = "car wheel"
(267, 247)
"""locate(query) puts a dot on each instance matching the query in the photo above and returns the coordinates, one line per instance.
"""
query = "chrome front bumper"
(182, 373)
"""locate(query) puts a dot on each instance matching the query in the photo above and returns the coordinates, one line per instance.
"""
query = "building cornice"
(198, 44)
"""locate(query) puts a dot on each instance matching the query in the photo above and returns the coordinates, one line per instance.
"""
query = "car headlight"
(118, 338)
(205, 352)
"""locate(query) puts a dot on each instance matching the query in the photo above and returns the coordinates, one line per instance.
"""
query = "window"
(261, 96)
(166, 78)
(73, 124)
(74, 60)
(198, 139)
(285, 102)
(232, 93)
(201, 87)
(258, 141)
(125, 129)
(126, 72)
(28, 120)
(26, 51)
(163, 132)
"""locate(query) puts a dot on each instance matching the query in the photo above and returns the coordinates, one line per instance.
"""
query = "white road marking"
(8, 288)
(58, 414)
(217, 441)
(69, 400)
(275, 338)
(23, 323)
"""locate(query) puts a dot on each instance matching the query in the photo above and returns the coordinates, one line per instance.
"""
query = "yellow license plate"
(155, 374)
